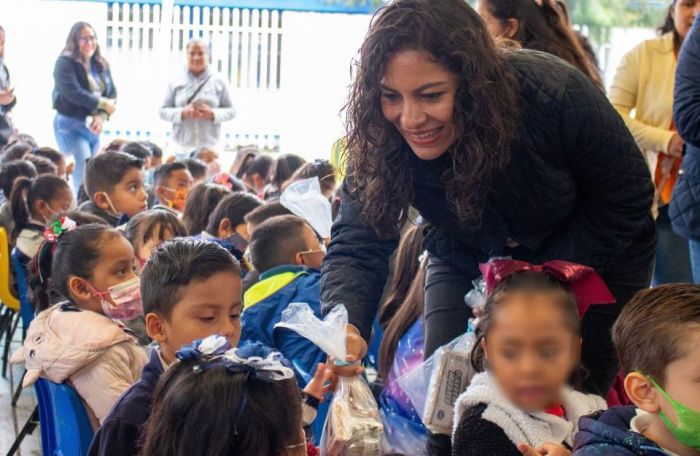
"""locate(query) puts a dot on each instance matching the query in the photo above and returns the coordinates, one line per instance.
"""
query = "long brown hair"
(411, 309)
(485, 111)
(542, 27)
(669, 25)
(405, 301)
(405, 268)
(72, 48)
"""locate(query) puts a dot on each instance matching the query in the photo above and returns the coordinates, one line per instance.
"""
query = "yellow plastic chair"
(6, 296)
(10, 313)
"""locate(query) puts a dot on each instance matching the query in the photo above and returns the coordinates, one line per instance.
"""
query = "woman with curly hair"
(503, 153)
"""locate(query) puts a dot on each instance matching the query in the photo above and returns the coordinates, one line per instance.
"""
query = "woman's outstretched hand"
(357, 349)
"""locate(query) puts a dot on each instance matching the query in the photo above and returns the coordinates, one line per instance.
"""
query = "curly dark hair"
(485, 111)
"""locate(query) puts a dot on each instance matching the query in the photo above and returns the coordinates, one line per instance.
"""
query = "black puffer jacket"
(576, 188)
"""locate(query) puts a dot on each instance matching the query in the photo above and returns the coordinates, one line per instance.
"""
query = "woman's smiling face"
(418, 98)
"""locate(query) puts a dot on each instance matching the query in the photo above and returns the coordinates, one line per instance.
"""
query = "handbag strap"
(194, 94)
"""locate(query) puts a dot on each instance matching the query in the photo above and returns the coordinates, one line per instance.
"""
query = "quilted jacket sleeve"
(686, 103)
(356, 266)
(614, 187)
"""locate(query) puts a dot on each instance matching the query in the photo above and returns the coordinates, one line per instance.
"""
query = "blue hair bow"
(256, 360)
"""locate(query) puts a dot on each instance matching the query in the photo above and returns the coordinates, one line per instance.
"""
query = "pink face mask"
(126, 297)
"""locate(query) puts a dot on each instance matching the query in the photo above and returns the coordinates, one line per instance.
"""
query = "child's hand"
(548, 449)
(324, 381)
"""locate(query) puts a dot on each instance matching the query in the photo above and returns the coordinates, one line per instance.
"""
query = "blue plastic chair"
(26, 310)
(63, 420)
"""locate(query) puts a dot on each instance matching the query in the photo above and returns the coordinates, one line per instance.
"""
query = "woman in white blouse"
(197, 102)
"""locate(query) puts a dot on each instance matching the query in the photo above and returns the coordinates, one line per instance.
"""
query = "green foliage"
(618, 13)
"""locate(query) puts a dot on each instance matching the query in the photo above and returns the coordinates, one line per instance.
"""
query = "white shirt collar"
(641, 423)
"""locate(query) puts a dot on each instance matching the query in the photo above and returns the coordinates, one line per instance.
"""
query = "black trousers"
(446, 317)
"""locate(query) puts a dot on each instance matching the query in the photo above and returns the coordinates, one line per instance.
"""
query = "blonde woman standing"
(644, 84)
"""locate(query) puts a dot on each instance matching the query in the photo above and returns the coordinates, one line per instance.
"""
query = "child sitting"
(223, 401)
(172, 183)
(114, 182)
(9, 173)
(191, 289)
(209, 157)
(227, 222)
(288, 255)
(527, 349)
(252, 220)
(42, 165)
(198, 170)
(201, 202)
(81, 340)
(146, 231)
(262, 213)
(657, 338)
(35, 205)
(56, 158)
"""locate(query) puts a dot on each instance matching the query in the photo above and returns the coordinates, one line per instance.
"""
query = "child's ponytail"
(40, 275)
(26, 192)
(68, 251)
(19, 206)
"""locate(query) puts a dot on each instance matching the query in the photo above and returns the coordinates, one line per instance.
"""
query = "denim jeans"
(695, 259)
(673, 260)
(75, 138)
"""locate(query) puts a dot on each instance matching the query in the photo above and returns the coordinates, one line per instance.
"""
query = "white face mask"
(52, 218)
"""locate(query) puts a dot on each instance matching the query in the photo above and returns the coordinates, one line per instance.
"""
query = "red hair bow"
(584, 281)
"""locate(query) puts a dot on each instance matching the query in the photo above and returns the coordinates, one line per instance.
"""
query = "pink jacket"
(92, 352)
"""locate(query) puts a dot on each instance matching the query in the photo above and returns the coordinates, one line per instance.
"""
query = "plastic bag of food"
(304, 198)
(446, 373)
(353, 426)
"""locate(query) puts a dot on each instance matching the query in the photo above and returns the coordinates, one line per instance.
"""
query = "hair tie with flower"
(54, 231)
(256, 360)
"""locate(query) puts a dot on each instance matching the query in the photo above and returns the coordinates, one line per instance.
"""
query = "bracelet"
(310, 400)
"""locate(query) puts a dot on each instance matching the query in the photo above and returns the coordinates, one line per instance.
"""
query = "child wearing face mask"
(527, 352)
(657, 339)
(172, 183)
(82, 340)
(227, 226)
(114, 182)
(36, 203)
(146, 231)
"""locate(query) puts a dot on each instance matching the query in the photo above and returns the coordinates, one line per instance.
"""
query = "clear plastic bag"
(446, 373)
(444, 376)
(353, 426)
(304, 198)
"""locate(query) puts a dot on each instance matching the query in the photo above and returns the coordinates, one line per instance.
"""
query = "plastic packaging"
(446, 373)
(353, 426)
(304, 198)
